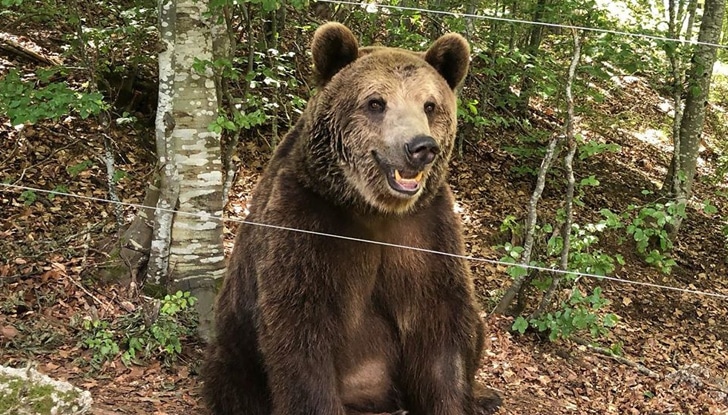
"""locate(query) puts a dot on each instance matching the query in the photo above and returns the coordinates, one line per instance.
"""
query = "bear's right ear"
(450, 56)
(333, 47)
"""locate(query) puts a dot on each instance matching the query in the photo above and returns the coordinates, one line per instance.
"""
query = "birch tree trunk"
(186, 250)
(681, 174)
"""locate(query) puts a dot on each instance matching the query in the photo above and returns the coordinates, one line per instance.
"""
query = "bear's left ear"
(450, 56)
(333, 47)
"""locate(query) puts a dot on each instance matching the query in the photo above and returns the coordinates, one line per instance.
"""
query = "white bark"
(187, 251)
(158, 267)
(110, 173)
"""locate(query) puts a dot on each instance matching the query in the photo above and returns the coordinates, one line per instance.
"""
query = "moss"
(116, 270)
(23, 396)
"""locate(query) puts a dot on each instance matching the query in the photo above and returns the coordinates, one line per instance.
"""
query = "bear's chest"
(390, 303)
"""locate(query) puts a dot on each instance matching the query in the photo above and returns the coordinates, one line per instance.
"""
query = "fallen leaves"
(8, 332)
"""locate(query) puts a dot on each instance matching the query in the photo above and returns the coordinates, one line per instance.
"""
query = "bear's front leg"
(437, 385)
(299, 325)
(442, 353)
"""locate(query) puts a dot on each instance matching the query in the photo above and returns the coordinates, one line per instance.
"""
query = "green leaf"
(610, 320)
(589, 181)
(520, 325)
(76, 169)
(118, 175)
(28, 197)
(709, 208)
(517, 271)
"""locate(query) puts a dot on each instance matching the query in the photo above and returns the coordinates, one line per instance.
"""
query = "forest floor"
(675, 344)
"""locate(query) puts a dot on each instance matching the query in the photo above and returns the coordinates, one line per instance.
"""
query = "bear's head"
(382, 125)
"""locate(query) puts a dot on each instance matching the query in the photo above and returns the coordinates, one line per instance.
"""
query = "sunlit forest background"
(592, 139)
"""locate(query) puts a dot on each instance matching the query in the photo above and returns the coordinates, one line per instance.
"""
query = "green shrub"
(139, 336)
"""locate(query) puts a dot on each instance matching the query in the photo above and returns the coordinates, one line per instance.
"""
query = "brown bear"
(311, 324)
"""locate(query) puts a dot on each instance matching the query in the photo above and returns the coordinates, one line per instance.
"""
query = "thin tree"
(551, 151)
(570, 180)
(681, 174)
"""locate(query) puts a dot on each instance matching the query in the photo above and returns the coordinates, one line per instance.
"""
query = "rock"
(29, 392)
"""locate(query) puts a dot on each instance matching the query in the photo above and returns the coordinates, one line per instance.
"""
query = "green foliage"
(118, 175)
(30, 102)
(99, 338)
(76, 169)
(584, 254)
(271, 91)
(28, 197)
(513, 254)
(138, 336)
(709, 208)
(275, 72)
(590, 148)
(104, 45)
(578, 314)
(511, 223)
(649, 226)
(61, 188)
(468, 113)
(164, 335)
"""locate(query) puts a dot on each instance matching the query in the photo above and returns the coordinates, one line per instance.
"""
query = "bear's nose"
(421, 150)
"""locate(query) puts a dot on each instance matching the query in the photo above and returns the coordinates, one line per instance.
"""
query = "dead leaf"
(128, 306)
(9, 332)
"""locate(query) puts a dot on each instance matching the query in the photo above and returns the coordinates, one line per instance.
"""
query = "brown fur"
(314, 325)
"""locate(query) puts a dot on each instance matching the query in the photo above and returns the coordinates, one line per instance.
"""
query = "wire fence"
(4, 187)
(521, 21)
(16, 188)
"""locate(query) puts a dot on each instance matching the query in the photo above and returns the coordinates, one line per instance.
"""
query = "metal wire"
(14, 187)
(520, 21)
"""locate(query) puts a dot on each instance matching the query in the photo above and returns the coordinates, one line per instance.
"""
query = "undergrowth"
(153, 332)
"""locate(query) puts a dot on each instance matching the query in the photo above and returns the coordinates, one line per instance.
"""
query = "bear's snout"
(421, 151)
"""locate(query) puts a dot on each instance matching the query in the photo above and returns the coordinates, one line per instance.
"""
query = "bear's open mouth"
(405, 181)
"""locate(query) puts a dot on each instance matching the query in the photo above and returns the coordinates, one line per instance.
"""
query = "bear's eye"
(429, 108)
(376, 105)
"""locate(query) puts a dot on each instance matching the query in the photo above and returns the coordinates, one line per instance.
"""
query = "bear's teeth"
(416, 179)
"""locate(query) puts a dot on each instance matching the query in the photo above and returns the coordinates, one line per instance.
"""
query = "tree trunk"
(510, 294)
(186, 251)
(684, 162)
(169, 177)
(672, 50)
(570, 180)
(129, 255)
